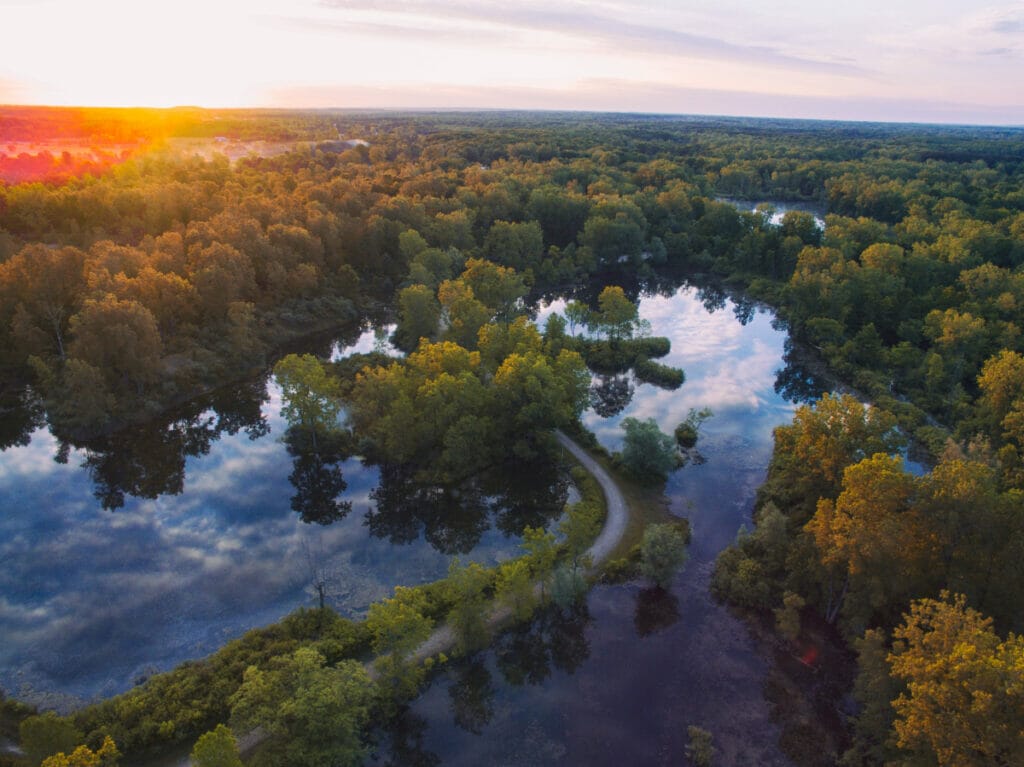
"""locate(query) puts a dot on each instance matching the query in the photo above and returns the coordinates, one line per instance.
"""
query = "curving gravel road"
(615, 521)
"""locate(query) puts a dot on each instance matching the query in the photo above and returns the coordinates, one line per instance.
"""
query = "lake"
(130, 556)
(124, 561)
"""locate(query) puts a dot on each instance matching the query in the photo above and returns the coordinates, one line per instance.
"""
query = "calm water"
(619, 684)
(782, 207)
(119, 560)
(122, 561)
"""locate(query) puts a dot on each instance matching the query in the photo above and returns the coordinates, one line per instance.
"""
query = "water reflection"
(405, 746)
(317, 476)
(472, 696)
(554, 639)
(223, 523)
(610, 394)
(453, 518)
(148, 461)
(656, 610)
(20, 415)
(797, 381)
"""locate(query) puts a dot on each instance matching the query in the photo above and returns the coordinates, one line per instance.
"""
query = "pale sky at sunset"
(917, 60)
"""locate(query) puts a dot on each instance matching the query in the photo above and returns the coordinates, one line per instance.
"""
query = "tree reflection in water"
(317, 477)
(472, 696)
(553, 639)
(796, 381)
(656, 610)
(405, 747)
(148, 461)
(453, 518)
(21, 413)
(611, 394)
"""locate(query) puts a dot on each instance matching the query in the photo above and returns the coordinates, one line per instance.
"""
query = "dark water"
(619, 684)
(130, 556)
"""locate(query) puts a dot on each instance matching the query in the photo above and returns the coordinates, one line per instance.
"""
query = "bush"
(688, 431)
(699, 750)
(651, 347)
(660, 375)
(648, 453)
(662, 553)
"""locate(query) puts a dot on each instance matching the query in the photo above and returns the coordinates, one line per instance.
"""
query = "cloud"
(580, 22)
(990, 32)
(645, 97)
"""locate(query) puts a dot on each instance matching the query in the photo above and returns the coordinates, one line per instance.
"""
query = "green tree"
(419, 316)
(398, 625)
(313, 714)
(45, 287)
(121, 340)
(465, 588)
(496, 287)
(519, 246)
(217, 748)
(576, 313)
(617, 315)
(463, 313)
(47, 734)
(787, 617)
(568, 586)
(514, 589)
(310, 397)
(581, 526)
(541, 551)
(662, 553)
(647, 452)
(699, 750)
(874, 689)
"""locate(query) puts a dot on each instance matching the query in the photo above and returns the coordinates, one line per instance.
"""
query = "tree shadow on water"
(656, 610)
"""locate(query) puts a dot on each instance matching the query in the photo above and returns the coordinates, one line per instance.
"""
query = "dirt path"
(617, 515)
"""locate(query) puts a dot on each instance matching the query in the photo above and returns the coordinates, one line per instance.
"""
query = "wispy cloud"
(577, 21)
(997, 31)
(649, 97)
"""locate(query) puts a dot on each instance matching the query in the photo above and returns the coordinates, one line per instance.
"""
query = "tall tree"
(616, 313)
(310, 396)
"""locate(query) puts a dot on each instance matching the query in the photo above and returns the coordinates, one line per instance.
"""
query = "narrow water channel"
(619, 683)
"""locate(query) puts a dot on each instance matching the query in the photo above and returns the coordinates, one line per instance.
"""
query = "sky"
(894, 60)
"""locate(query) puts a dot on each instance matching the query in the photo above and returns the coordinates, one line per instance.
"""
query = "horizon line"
(517, 110)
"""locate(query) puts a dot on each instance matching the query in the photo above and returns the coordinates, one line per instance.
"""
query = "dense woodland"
(168, 275)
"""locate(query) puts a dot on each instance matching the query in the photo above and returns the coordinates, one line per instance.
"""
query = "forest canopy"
(131, 285)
